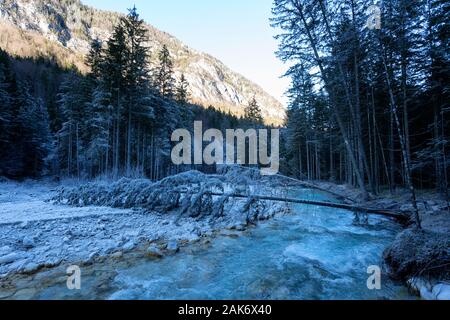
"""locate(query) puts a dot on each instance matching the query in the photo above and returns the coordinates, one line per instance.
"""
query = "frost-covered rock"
(5, 250)
(154, 252)
(423, 288)
(130, 245)
(117, 255)
(31, 267)
(417, 251)
(12, 257)
(28, 242)
(419, 287)
(80, 235)
(172, 246)
(442, 291)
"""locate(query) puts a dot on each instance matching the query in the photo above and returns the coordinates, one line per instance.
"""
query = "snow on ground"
(35, 233)
(26, 202)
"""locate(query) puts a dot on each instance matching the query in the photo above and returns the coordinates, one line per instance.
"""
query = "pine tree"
(164, 80)
(438, 83)
(94, 59)
(182, 91)
(252, 112)
(5, 105)
(36, 136)
(137, 80)
(73, 101)
(114, 73)
(99, 125)
(298, 124)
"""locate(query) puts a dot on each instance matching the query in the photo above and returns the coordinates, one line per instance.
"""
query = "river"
(314, 253)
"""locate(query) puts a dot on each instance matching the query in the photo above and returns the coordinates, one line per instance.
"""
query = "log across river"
(357, 209)
(318, 254)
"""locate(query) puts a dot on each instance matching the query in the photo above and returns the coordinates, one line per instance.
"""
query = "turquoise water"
(315, 253)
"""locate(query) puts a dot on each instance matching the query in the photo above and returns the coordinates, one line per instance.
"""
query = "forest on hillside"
(368, 106)
(115, 121)
(354, 205)
(369, 101)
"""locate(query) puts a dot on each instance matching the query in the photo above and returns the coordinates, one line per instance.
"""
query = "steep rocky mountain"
(62, 31)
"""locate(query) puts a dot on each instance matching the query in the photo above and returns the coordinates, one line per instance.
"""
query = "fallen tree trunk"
(309, 185)
(391, 214)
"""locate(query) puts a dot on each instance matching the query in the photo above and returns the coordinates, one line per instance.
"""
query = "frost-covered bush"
(192, 194)
(239, 175)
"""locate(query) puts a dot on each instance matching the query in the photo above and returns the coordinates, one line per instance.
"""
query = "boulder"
(441, 291)
(418, 252)
(419, 287)
(28, 242)
(31, 267)
(117, 255)
(11, 257)
(5, 250)
(154, 252)
(130, 245)
(172, 246)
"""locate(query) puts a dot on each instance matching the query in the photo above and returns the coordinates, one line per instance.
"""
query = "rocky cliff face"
(62, 30)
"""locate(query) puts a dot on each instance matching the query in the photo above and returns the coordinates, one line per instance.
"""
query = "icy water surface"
(315, 253)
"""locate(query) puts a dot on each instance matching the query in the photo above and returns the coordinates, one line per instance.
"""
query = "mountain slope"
(62, 30)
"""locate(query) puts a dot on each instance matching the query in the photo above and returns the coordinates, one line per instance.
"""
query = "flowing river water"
(314, 253)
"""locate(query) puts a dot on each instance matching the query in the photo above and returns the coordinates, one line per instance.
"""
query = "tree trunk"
(129, 143)
(308, 160)
(78, 152)
(336, 113)
(407, 162)
(392, 185)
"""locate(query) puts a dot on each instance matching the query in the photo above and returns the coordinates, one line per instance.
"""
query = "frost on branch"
(190, 194)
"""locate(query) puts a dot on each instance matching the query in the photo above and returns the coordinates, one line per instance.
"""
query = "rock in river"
(154, 252)
(12, 257)
(172, 246)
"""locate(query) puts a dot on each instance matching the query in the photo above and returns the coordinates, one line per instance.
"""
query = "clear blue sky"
(237, 32)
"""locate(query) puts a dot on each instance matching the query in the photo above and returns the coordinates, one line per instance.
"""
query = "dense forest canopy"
(369, 106)
(115, 121)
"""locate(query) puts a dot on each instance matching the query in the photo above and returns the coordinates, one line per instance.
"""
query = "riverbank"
(46, 226)
(314, 253)
(418, 258)
(38, 232)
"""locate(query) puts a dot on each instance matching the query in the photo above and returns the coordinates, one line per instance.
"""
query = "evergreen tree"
(164, 80)
(73, 100)
(36, 137)
(298, 128)
(137, 80)
(114, 73)
(253, 112)
(99, 125)
(182, 91)
(5, 105)
(94, 59)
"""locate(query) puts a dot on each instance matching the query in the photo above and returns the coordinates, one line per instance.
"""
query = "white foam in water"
(316, 253)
